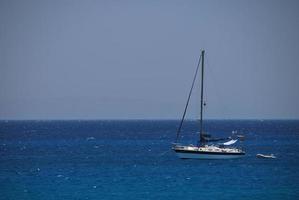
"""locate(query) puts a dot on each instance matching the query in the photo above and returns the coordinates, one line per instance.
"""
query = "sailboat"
(204, 148)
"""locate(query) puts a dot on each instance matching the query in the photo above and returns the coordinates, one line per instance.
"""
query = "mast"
(201, 97)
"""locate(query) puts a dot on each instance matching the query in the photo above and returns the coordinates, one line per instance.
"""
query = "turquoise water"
(132, 159)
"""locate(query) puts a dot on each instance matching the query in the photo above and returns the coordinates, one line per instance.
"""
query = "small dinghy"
(265, 156)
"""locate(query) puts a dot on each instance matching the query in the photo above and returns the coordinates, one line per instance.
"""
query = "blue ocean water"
(132, 159)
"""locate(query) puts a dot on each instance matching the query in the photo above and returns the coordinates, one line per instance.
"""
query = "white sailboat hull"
(207, 156)
(207, 152)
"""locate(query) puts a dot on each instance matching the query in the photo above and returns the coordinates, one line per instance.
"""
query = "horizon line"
(156, 119)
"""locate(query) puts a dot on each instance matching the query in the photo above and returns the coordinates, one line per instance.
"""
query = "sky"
(71, 59)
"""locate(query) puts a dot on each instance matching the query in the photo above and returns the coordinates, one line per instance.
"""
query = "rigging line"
(157, 164)
(163, 153)
(185, 110)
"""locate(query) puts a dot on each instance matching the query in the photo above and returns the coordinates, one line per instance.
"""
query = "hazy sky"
(71, 59)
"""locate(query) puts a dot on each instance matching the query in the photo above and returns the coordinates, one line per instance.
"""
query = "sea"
(132, 159)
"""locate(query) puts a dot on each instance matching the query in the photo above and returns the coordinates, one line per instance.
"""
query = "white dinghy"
(271, 156)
